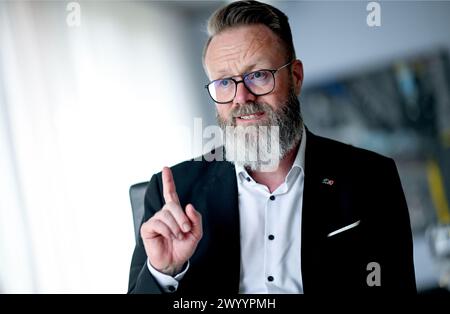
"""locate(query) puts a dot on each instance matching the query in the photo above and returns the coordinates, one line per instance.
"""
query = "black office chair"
(137, 194)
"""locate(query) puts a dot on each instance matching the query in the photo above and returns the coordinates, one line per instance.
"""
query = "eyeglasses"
(259, 83)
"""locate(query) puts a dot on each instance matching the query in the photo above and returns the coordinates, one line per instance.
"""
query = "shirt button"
(270, 278)
(171, 288)
(248, 179)
(272, 198)
(271, 237)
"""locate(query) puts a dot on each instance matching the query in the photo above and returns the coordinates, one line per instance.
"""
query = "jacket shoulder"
(346, 154)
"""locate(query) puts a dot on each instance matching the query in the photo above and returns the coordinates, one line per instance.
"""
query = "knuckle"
(158, 216)
(145, 228)
(165, 214)
(169, 205)
(146, 224)
(169, 220)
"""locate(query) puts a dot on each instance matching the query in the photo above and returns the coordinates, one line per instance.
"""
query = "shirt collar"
(299, 161)
(300, 158)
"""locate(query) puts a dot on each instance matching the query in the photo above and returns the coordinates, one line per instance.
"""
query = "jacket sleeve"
(140, 280)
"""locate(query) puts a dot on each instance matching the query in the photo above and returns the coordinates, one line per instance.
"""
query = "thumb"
(196, 220)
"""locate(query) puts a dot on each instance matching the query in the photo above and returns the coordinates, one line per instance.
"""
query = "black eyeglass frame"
(244, 76)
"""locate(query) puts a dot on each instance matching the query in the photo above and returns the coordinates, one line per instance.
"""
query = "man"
(329, 217)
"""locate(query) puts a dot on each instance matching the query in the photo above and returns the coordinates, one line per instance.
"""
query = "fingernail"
(186, 227)
(180, 236)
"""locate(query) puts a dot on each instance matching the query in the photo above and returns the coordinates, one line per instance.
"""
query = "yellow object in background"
(437, 190)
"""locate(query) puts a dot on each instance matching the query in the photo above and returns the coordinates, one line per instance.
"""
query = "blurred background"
(98, 95)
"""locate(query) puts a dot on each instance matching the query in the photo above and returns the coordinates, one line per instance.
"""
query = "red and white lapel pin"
(327, 181)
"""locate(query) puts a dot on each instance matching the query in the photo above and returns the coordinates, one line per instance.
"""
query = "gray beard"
(261, 146)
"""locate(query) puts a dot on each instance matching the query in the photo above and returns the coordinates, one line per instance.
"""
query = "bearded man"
(286, 211)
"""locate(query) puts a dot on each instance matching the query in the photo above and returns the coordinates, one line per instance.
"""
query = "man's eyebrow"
(225, 74)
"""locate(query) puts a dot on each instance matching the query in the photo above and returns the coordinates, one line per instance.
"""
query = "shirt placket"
(270, 271)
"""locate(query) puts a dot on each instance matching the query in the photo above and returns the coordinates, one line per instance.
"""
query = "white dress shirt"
(270, 228)
(271, 231)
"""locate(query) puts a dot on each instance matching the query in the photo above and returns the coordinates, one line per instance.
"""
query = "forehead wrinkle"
(234, 58)
(227, 53)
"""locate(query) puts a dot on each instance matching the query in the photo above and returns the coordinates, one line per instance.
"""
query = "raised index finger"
(169, 190)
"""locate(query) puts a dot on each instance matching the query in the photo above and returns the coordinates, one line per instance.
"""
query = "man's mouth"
(252, 117)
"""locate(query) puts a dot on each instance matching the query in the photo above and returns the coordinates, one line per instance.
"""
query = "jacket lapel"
(318, 196)
(217, 257)
(225, 219)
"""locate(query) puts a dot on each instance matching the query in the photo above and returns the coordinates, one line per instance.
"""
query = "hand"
(171, 236)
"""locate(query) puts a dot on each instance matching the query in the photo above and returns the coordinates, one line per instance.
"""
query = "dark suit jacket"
(366, 188)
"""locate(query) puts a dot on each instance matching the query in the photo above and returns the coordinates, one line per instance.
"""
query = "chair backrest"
(137, 195)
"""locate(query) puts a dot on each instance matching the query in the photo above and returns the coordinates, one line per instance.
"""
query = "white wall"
(86, 112)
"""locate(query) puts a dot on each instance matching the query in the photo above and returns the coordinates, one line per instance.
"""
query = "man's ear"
(297, 75)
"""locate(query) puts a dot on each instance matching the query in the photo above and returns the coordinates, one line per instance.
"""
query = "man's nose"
(243, 95)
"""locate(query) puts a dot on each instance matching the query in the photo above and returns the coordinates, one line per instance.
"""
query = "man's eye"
(224, 83)
(258, 75)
